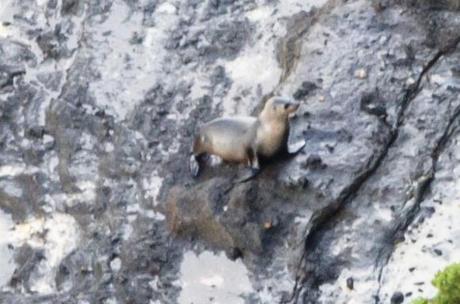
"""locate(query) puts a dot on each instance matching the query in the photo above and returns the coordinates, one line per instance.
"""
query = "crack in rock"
(319, 220)
(422, 184)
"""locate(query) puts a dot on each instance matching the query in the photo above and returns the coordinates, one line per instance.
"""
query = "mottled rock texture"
(99, 101)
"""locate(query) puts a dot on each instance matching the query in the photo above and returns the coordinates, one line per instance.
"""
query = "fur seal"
(246, 139)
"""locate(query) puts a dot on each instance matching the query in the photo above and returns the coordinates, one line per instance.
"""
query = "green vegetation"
(420, 301)
(448, 283)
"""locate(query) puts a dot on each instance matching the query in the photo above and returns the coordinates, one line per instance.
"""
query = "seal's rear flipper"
(194, 166)
(248, 175)
(296, 147)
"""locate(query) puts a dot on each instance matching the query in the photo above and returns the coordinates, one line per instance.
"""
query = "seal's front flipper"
(248, 175)
(296, 147)
(194, 166)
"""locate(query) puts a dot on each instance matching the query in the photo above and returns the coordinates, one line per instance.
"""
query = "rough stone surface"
(99, 101)
(397, 298)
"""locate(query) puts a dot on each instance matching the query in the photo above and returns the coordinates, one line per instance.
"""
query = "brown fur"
(244, 139)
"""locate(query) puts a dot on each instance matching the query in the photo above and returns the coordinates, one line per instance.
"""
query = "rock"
(234, 253)
(456, 71)
(115, 264)
(410, 81)
(8, 73)
(379, 5)
(350, 283)
(306, 88)
(70, 7)
(361, 74)
(372, 103)
(36, 131)
(397, 298)
(314, 162)
(99, 104)
(199, 214)
(49, 45)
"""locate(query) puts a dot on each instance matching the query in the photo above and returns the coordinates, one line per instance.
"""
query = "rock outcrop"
(99, 101)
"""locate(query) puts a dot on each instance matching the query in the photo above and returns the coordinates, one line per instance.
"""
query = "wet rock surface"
(99, 101)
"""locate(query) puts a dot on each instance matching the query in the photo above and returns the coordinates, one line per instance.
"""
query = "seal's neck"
(272, 134)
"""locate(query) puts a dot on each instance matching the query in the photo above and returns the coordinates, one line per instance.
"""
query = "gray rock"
(99, 102)
(397, 298)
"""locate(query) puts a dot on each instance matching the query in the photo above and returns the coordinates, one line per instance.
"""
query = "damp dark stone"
(397, 298)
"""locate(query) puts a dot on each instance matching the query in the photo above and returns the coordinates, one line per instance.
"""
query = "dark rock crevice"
(8, 74)
(311, 281)
(421, 187)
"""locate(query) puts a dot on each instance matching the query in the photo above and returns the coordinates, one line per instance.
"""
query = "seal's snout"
(292, 106)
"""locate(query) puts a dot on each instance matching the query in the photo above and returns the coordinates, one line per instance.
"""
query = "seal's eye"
(286, 105)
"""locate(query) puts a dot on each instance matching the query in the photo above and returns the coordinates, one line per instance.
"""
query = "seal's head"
(279, 108)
